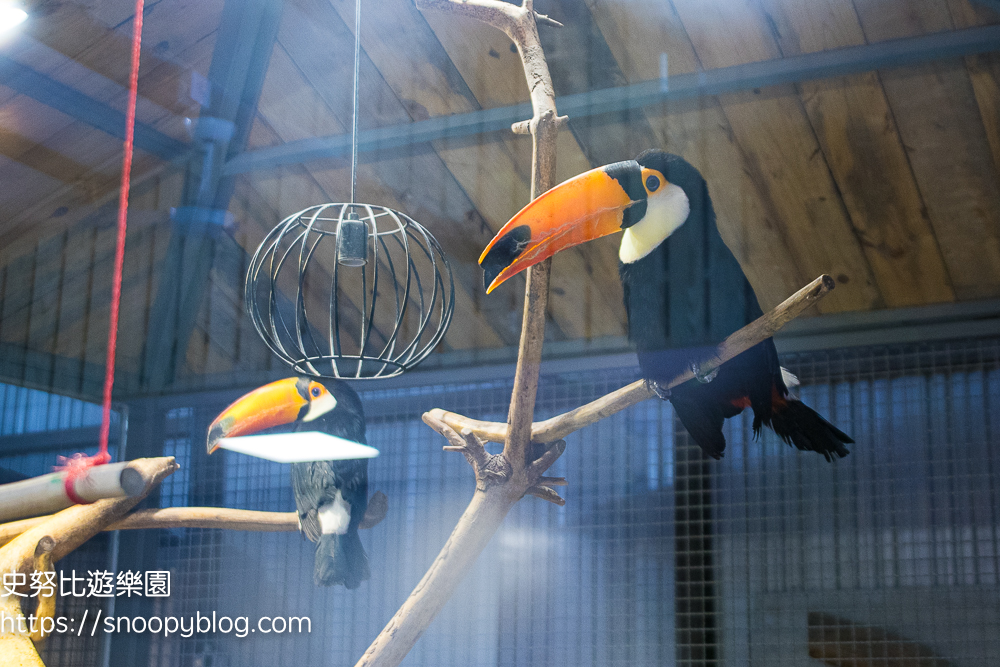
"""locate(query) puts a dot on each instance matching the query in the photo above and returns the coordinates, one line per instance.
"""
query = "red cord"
(78, 464)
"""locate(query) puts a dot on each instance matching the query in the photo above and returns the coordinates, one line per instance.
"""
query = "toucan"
(331, 497)
(657, 200)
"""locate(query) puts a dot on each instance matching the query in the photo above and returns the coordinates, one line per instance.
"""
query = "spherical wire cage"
(350, 291)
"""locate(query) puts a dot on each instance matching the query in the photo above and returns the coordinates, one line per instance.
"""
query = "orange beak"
(596, 203)
(274, 404)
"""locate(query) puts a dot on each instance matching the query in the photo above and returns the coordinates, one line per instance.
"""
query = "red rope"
(77, 465)
(116, 288)
(116, 294)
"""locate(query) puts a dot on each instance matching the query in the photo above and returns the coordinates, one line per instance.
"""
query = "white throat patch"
(320, 407)
(664, 214)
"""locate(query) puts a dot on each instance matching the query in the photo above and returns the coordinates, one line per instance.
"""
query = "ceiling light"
(298, 447)
(10, 16)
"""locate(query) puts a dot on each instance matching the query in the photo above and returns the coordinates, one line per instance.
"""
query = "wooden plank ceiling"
(887, 180)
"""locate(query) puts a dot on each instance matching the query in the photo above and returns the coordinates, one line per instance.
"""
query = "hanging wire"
(354, 119)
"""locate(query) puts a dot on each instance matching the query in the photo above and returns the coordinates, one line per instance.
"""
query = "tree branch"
(562, 425)
(501, 480)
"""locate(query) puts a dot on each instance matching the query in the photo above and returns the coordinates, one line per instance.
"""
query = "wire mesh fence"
(768, 557)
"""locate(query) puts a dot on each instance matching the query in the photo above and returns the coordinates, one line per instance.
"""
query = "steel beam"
(823, 64)
(243, 47)
(85, 109)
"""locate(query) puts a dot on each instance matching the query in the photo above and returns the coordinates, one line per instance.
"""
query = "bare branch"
(207, 517)
(545, 493)
(46, 603)
(378, 507)
(740, 341)
(546, 20)
(545, 461)
(500, 15)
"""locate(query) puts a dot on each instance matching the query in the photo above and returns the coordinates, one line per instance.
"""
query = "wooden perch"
(207, 517)
(46, 494)
(180, 517)
(562, 425)
(68, 530)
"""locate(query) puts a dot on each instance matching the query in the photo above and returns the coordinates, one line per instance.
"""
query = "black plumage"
(340, 558)
(673, 323)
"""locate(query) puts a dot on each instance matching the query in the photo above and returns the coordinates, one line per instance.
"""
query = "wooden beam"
(707, 82)
(860, 141)
(82, 107)
(97, 38)
(52, 163)
(782, 151)
(941, 126)
(639, 35)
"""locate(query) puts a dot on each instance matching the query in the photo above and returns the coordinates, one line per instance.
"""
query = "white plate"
(298, 447)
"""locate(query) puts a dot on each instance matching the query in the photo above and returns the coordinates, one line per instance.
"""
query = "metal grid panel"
(32, 411)
(893, 551)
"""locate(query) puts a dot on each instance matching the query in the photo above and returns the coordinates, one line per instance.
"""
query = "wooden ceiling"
(885, 178)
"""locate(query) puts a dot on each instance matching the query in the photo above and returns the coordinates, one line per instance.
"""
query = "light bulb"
(11, 16)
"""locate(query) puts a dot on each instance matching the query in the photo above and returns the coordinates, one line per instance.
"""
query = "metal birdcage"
(350, 291)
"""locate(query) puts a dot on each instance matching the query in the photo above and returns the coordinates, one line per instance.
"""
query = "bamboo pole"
(46, 494)
(67, 530)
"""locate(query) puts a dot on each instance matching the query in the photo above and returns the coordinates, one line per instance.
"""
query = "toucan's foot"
(704, 378)
(662, 392)
(75, 467)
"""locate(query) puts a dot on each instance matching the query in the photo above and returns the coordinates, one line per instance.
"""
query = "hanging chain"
(354, 120)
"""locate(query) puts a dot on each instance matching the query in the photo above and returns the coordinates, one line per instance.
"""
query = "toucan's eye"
(315, 392)
(652, 183)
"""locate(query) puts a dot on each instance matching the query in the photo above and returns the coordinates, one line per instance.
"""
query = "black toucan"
(331, 496)
(660, 200)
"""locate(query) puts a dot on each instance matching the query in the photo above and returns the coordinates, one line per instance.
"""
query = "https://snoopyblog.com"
(105, 584)
(182, 626)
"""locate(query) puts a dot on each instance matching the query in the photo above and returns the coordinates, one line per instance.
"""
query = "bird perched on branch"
(331, 496)
(661, 203)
